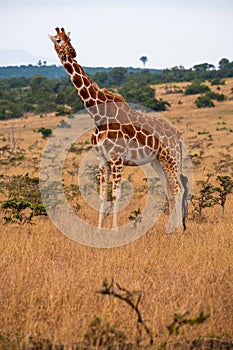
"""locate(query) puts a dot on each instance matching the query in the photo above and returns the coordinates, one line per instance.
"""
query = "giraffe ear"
(68, 34)
(52, 38)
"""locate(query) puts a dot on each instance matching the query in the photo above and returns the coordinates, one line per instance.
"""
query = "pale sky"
(118, 33)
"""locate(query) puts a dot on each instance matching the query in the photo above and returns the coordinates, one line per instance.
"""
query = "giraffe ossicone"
(125, 136)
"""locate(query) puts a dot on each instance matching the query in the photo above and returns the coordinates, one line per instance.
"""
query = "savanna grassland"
(49, 282)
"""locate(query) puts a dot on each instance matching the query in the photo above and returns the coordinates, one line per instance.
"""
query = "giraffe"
(125, 136)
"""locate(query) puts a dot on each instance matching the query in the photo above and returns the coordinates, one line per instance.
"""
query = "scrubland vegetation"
(163, 291)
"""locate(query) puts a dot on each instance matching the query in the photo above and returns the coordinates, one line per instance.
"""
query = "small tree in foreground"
(224, 189)
(133, 299)
(210, 195)
(205, 198)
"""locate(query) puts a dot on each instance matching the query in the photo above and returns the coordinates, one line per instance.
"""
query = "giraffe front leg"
(116, 168)
(104, 172)
(175, 193)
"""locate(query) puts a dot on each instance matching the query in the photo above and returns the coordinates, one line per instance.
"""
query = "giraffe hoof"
(174, 228)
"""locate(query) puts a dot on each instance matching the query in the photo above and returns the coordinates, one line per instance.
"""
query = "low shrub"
(204, 102)
(196, 88)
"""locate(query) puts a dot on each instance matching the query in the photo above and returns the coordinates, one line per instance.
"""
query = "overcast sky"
(118, 33)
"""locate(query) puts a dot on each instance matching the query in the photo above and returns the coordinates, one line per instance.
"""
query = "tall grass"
(49, 283)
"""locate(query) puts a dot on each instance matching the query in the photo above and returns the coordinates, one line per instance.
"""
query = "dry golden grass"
(49, 283)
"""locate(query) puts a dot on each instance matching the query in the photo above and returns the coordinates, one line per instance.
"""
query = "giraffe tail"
(184, 182)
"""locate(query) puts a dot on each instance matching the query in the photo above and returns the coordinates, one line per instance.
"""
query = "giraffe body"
(125, 136)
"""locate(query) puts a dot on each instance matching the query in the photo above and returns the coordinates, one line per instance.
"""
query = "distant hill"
(52, 71)
(16, 57)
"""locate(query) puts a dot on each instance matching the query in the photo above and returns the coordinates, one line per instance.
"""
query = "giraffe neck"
(87, 89)
(89, 92)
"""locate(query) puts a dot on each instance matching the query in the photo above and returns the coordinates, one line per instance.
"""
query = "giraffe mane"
(116, 97)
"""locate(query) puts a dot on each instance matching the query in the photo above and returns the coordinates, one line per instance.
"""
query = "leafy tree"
(203, 67)
(116, 76)
(101, 78)
(4, 85)
(46, 106)
(18, 82)
(224, 189)
(72, 99)
(60, 98)
(2, 113)
(223, 63)
(38, 84)
(205, 198)
(144, 60)
(210, 195)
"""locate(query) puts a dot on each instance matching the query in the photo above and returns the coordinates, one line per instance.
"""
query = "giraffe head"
(62, 43)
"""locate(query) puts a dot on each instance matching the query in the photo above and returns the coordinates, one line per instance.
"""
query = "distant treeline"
(53, 71)
(202, 71)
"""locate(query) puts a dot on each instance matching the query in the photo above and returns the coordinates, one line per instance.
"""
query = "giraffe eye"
(58, 40)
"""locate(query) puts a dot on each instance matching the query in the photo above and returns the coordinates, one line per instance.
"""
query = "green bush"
(15, 210)
(24, 200)
(46, 132)
(217, 81)
(138, 93)
(204, 102)
(157, 105)
(103, 335)
(216, 96)
(196, 88)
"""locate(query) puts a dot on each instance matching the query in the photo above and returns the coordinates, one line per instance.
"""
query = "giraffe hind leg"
(178, 202)
(175, 207)
(174, 191)
(184, 181)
